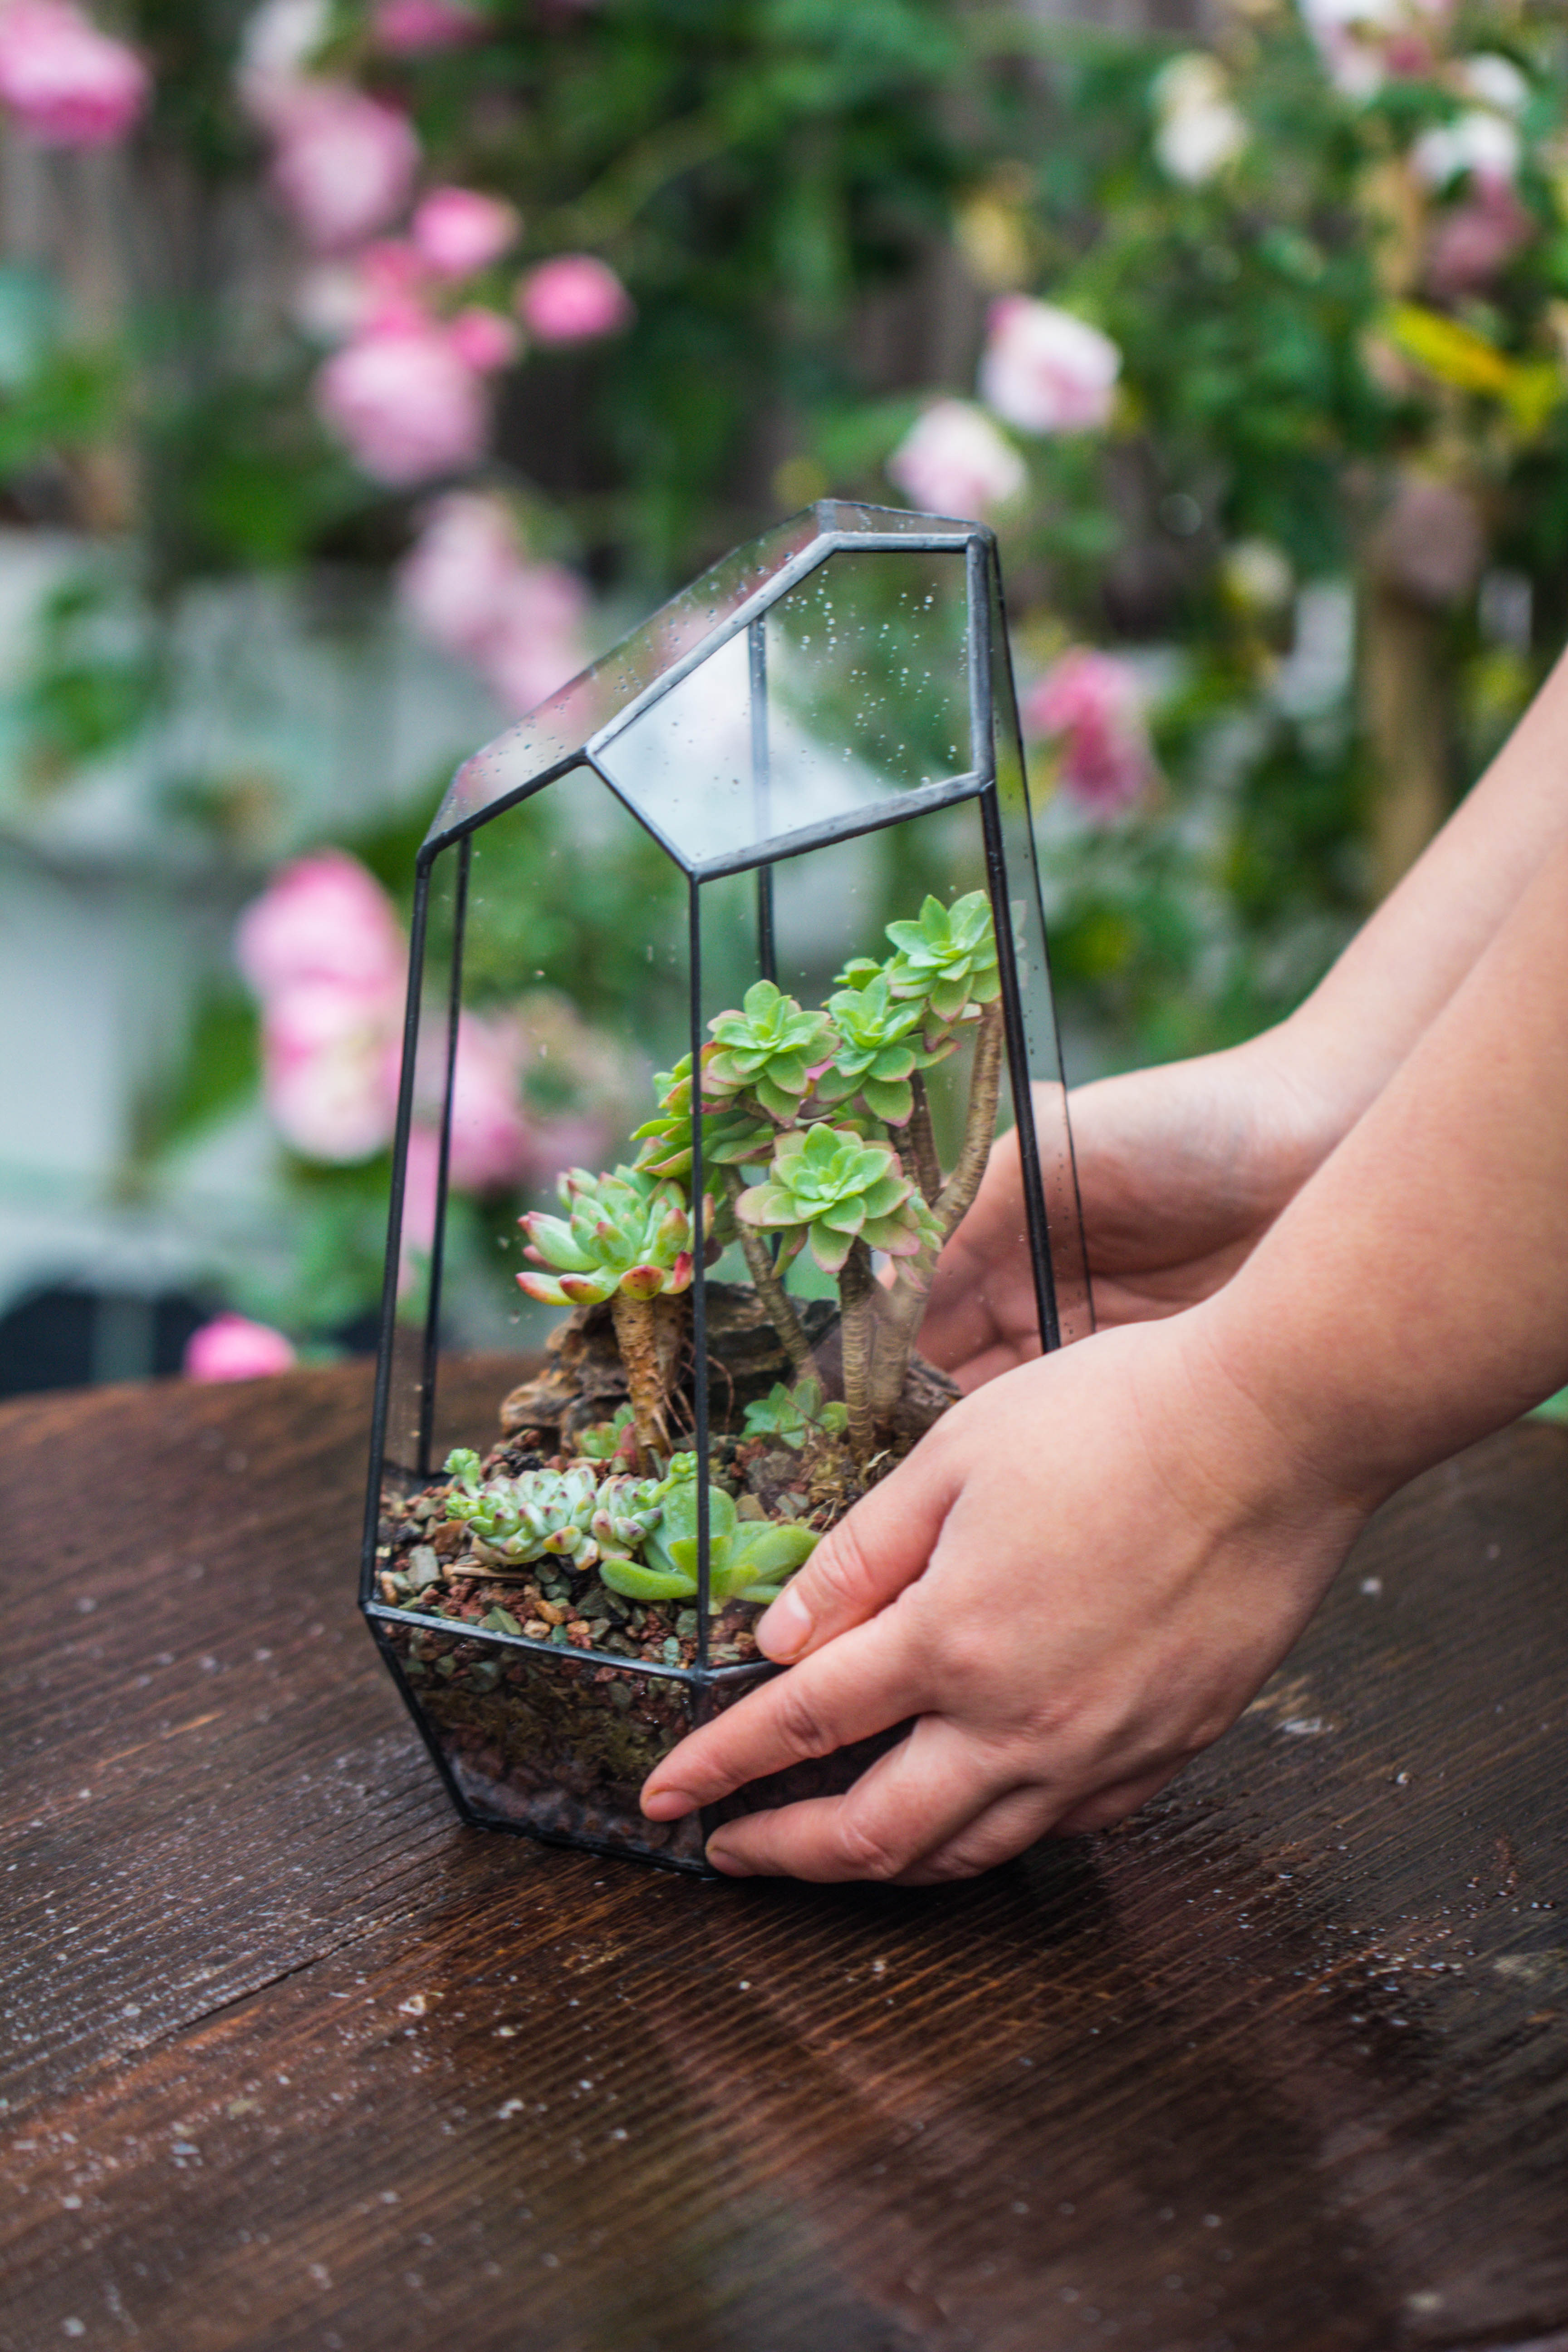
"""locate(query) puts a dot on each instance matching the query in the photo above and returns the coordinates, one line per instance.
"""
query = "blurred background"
(366, 368)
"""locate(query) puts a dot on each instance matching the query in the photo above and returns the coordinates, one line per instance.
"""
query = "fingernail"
(784, 1629)
(665, 1804)
(720, 1858)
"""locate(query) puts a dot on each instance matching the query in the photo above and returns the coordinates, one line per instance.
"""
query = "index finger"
(881, 1546)
(865, 1682)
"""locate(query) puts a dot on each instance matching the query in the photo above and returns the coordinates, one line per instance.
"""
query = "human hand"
(1073, 1585)
(1181, 1170)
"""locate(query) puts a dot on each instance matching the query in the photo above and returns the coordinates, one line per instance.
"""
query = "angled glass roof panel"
(865, 665)
(556, 733)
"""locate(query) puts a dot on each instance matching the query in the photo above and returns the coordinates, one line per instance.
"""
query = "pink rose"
(408, 404)
(67, 83)
(1469, 244)
(459, 570)
(953, 461)
(231, 1348)
(330, 1067)
(484, 338)
(491, 1144)
(344, 165)
(1045, 371)
(410, 27)
(459, 230)
(321, 918)
(281, 40)
(470, 588)
(1361, 42)
(572, 299)
(536, 643)
(1095, 704)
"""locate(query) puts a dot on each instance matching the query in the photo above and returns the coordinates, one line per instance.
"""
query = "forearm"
(1403, 966)
(1415, 1293)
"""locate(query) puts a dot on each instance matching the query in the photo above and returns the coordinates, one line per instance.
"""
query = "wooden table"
(292, 2060)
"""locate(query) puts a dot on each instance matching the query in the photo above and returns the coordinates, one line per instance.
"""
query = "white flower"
(953, 461)
(1491, 80)
(1045, 371)
(1257, 575)
(1199, 129)
(1480, 142)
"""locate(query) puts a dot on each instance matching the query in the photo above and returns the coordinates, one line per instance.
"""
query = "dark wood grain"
(294, 2061)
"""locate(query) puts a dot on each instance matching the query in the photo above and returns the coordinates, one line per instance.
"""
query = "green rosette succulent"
(729, 1136)
(947, 960)
(790, 1416)
(748, 1560)
(768, 1051)
(877, 1056)
(539, 1515)
(628, 1233)
(829, 1187)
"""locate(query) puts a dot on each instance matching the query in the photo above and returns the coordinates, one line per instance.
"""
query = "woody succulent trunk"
(816, 1135)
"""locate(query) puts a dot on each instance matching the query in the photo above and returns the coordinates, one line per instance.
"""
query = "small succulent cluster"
(815, 1133)
(590, 1522)
(790, 1416)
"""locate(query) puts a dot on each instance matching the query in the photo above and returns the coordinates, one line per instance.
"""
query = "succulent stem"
(957, 1195)
(858, 1288)
(637, 1337)
(764, 1275)
(923, 1141)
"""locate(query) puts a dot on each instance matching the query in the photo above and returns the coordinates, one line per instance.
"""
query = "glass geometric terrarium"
(830, 995)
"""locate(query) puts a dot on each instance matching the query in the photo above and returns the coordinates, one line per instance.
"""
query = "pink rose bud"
(1096, 705)
(953, 461)
(572, 299)
(231, 1348)
(344, 165)
(484, 338)
(408, 28)
(459, 230)
(67, 83)
(409, 405)
(1045, 371)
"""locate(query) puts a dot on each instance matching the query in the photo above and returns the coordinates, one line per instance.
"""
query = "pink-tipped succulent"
(626, 1239)
(627, 1233)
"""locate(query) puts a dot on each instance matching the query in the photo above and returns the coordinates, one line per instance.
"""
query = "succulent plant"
(831, 1188)
(729, 1136)
(767, 1051)
(947, 959)
(748, 1560)
(791, 1415)
(604, 1440)
(539, 1515)
(876, 1054)
(629, 1511)
(629, 1232)
(627, 1239)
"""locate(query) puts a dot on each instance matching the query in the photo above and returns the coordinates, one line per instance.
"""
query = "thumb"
(882, 1545)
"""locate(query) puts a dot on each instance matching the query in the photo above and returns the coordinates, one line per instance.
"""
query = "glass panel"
(561, 726)
(852, 693)
(537, 1740)
(1058, 1177)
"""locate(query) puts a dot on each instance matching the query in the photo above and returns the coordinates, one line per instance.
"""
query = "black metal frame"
(986, 646)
